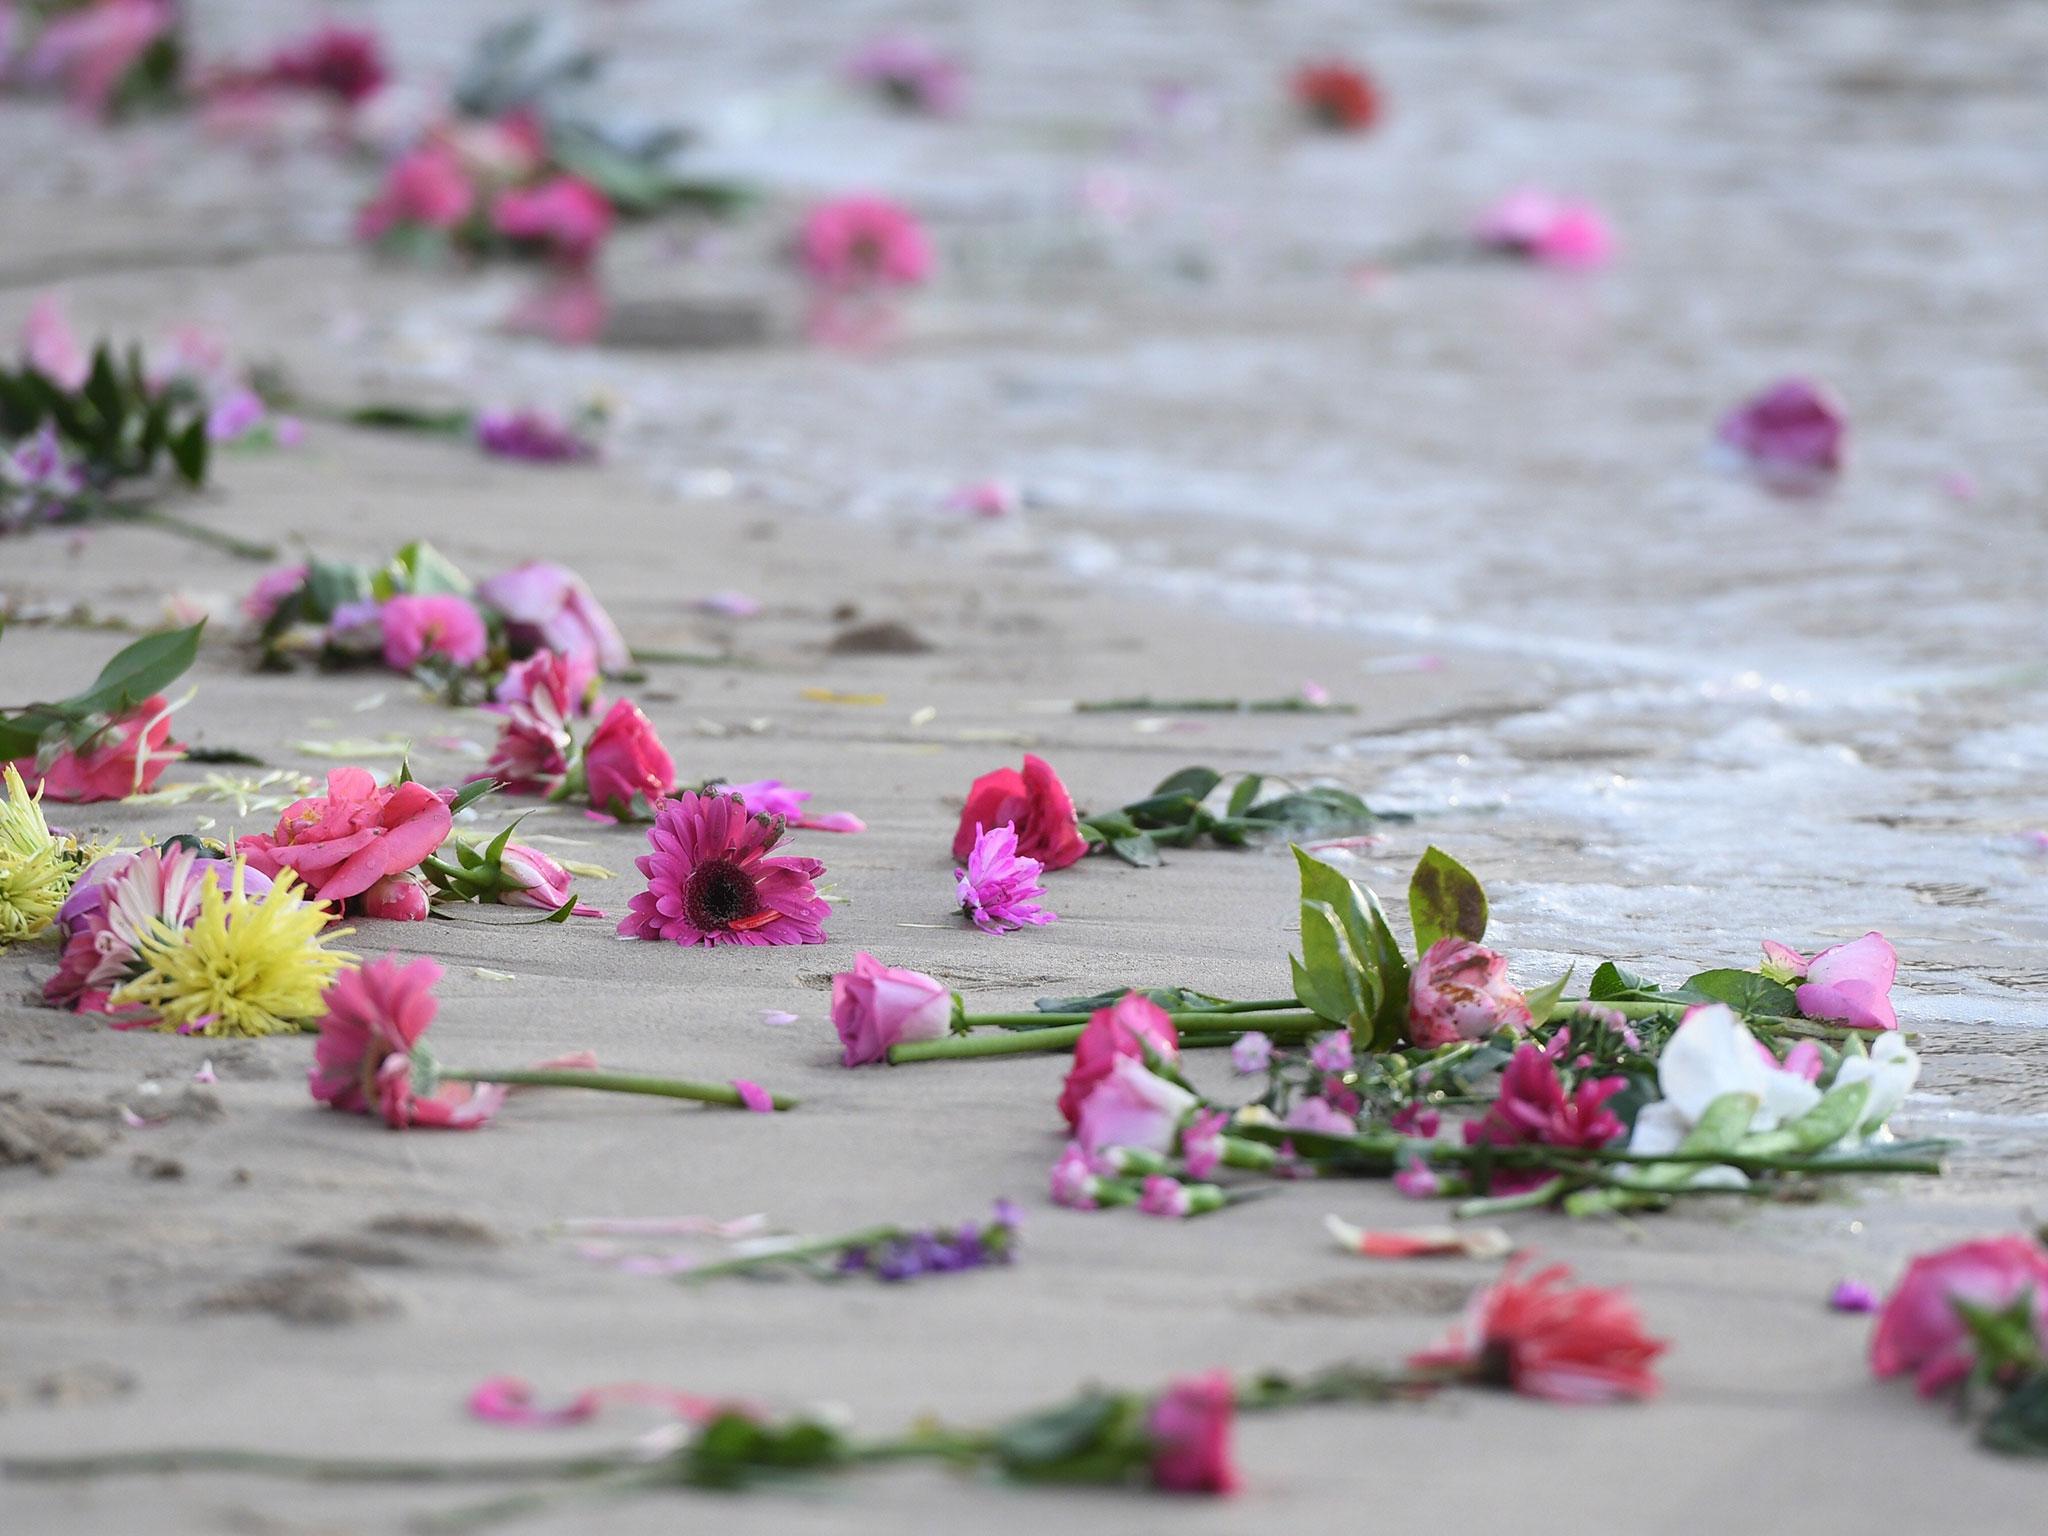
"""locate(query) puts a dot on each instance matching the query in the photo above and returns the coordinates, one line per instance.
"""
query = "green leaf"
(1195, 783)
(1835, 1116)
(472, 792)
(421, 568)
(1244, 794)
(1172, 999)
(189, 450)
(1544, 1000)
(1445, 900)
(1746, 992)
(2020, 1426)
(1330, 977)
(1613, 984)
(145, 667)
(1138, 849)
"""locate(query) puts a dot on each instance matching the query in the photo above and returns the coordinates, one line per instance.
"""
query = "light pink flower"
(1201, 1144)
(625, 766)
(875, 1006)
(1921, 1331)
(1460, 991)
(911, 74)
(1161, 1195)
(1189, 1427)
(427, 188)
(532, 879)
(998, 889)
(437, 625)
(864, 242)
(51, 347)
(1846, 984)
(343, 842)
(1790, 435)
(565, 215)
(396, 899)
(549, 605)
(531, 755)
(1131, 1107)
(1318, 1114)
(774, 798)
(362, 1063)
(1332, 1053)
(126, 757)
(1129, 1027)
(554, 686)
(1418, 1181)
(1075, 1183)
(985, 498)
(1556, 231)
(1251, 1052)
(119, 900)
(710, 879)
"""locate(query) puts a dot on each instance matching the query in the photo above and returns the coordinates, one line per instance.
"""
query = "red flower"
(1035, 802)
(126, 758)
(1532, 1107)
(1548, 1338)
(1123, 1029)
(624, 762)
(1190, 1431)
(1337, 96)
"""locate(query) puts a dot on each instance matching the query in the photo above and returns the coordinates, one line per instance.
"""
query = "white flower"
(1891, 1069)
(1711, 1053)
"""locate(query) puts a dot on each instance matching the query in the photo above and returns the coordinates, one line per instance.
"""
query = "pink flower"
(565, 215)
(1035, 802)
(1332, 1053)
(1128, 1027)
(864, 242)
(1418, 1181)
(1201, 1144)
(1161, 1195)
(1415, 1118)
(428, 188)
(51, 347)
(362, 1062)
(533, 436)
(998, 889)
(1131, 1107)
(531, 756)
(985, 498)
(710, 879)
(875, 1006)
(568, 307)
(1847, 984)
(1189, 1427)
(343, 842)
(1460, 991)
(1920, 1330)
(1790, 435)
(396, 899)
(346, 63)
(1320, 1115)
(1251, 1052)
(116, 902)
(1533, 1108)
(437, 625)
(1074, 1180)
(624, 763)
(91, 49)
(549, 605)
(754, 1096)
(126, 757)
(1555, 231)
(774, 798)
(1547, 1338)
(532, 879)
(911, 73)
(554, 686)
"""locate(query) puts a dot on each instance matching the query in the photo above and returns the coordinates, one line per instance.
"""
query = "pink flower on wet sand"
(566, 216)
(875, 1006)
(863, 242)
(437, 626)
(1129, 1027)
(544, 604)
(1189, 1427)
(362, 1063)
(343, 842)
(1460, 991)
(1847, 984)
(126, 757)
(1555, 231)
(1920, 1330)
(999, 888)
(1791, 435)
(711, 880)
(625, 766)
(427, 188)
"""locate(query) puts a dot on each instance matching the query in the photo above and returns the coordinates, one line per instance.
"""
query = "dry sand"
(275, 1275)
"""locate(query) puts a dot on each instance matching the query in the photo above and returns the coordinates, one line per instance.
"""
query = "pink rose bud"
(624, 761)
(1460, 991)
(396, 899)
(875, 1006)
(531, 879)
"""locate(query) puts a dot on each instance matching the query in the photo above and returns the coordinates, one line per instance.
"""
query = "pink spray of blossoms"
(711, 879)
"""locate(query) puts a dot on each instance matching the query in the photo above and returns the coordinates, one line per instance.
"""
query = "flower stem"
(1771, 1023)
(244, 549)
(613, 1082)
(1198, 1029)
(1272, 1017)
(321, 1469)
(816, 1247)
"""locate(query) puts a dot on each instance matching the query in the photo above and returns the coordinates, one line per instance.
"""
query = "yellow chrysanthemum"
(243, 968)
(35, 877)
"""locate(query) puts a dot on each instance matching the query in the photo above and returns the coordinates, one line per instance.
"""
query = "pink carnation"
(565, 215)
(1460, 991)
(439, 626)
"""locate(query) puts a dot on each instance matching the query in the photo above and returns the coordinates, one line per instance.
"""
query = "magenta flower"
(565, 217)
(999, 887)
(427, 188)
(363, 1063)
(1540, 227)
(864, 243)
(439, 626)
(1532, 1108)
(346, 63)
(1847, 984)
(1189, 1427)
(1201, 1143)
(771, 797)
(1131, 1107)
(711, 881)
(1790, 435)
(532, 435)
(875, 1006)
(1920, 1329)
(395, 899)
(1074, 1181)
(555, 687)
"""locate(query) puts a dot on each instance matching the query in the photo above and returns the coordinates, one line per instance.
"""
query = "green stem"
(1502, 1205)
(326, 1469)
(1018, 1041)
(244, 549)
(1290, 1016)
(867, 1237)
(613, 1082)
(1772, 1023)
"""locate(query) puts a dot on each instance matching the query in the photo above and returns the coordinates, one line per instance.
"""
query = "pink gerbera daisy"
(363, 1062)
(999, 888)
(710, 880)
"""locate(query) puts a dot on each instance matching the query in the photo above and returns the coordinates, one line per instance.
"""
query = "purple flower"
(999, 888)
(1418, 1181)
(1332, 1053)
(1791, 435)
(1252, 1052)
(1852, 1296)
(37, 480)
(235, 414)
(531, 435)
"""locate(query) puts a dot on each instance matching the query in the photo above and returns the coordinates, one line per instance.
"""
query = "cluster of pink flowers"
(124, 757)
(1534, 1107)
(621, 768)
(712, 879)
(1017, 825)
(361, 842)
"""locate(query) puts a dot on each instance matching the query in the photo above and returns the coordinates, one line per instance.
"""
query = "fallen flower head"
(345, 841)
(34, 877)
(1545, 1337)
(1459, 990)
(1540, 227)
(1032, 800)
(126, 756)
(1792, 436)
(875, 1006)
(998, 888)
(364, 1063)
(1846, 984)
(1921, 1329)
(1132, 1027)
(711, 879)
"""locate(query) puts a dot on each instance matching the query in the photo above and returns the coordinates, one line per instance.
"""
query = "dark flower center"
(720, 895)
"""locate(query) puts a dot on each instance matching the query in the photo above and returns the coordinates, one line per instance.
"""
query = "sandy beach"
(1661, 713)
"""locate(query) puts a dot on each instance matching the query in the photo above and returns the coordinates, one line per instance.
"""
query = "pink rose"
(532, 879)
(1189, 1427)
(566, 214)
(438, 624)
(1460, 991)
(341, 843)
(1035, 802)
(427, 186)
(1919, 1329)
(1131, 1107)
(1125, 1028)
(1848, 984)
(396, 899)
(549, 605)
(625, 760)
(126, 758)
(271, 589)
(875, 1006)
